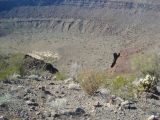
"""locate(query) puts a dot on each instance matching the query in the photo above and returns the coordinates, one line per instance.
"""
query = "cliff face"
(118, 4)
(67, 8)
(98, 17)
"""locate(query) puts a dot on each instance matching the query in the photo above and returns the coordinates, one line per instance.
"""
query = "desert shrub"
(146, 84)
(91, 80)
(10, 64)
(145, 64)
(122, 86)
(60, 76)
(147, 67)
(118, 82)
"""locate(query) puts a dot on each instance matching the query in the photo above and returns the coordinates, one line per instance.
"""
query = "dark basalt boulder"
(31, 64)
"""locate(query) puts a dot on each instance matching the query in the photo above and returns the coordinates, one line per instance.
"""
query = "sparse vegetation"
(147, 67)
(10, 64)
(60, 76)
(145, 64)
(122, 86)
(146, 84)
(91, 80)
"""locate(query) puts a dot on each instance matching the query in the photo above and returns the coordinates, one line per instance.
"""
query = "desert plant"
(122, 86)
(91, 80)
(146, 84)
(10, 64)
(60, 76)
(119, 82)
(147, 67)
(148, 63)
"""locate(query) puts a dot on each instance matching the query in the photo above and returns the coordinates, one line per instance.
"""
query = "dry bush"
(91, 80)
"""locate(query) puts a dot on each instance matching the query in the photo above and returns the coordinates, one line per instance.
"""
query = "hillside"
(79, 59)
(88, 30)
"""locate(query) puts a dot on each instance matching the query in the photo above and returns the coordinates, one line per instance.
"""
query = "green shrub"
(60, 76)
(118, 82)
(145, 64)
(10, 64)
(122, 86)
(147, 67)
(91, 80)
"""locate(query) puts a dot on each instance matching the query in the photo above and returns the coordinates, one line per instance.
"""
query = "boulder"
(32, 63)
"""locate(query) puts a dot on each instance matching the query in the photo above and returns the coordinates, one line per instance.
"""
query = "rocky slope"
(65, 100)
(85, 34)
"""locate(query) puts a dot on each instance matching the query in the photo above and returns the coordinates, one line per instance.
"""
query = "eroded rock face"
(33, 64)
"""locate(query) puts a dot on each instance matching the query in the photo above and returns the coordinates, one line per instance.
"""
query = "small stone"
(98, 104)
(68, 80)
(51, 83)
(1, 117)
(126, 104)
(47, 92)
(38, 113)
(47, 114)
(20, 87)
(80, 111)
(15, 76)
(7, 81)
(153, 117)
(111, 106)
(158, 89)
(33, 108)
(24, 114)
(30, 103)
(27, 90)
(53, 113)
(50, 98)
(26, 98)
(56, 115)
(34, 77)
(73, 86)
(103, 92)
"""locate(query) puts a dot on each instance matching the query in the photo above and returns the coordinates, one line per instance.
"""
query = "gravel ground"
(65, 100)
